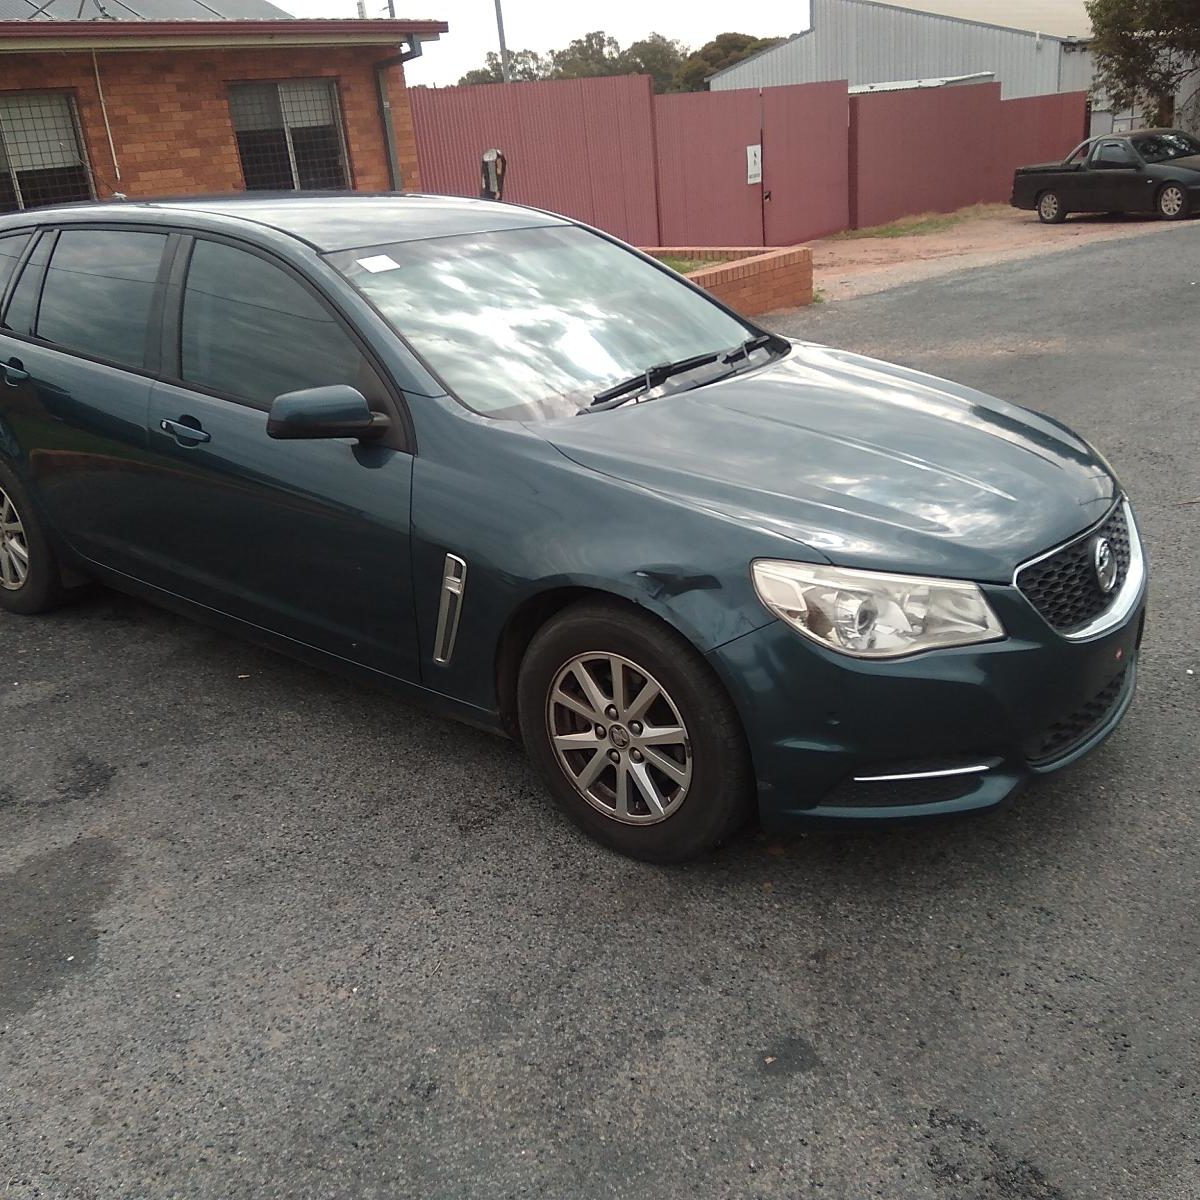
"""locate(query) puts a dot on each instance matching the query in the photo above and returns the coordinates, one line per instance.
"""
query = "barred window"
(41, 156)
(289, 135)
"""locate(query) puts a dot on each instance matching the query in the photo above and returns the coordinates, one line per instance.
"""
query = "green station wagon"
(528, 476)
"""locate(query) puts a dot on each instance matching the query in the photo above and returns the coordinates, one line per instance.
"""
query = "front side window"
(41, 157)
(251, 331)
(1113, 154)
(531, 323)
(98, 293)
(1164, 147)
(289, 135)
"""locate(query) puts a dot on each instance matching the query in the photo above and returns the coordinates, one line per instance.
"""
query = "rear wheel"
(1172, 203)
(633, 733)
(30, 581)
(1050, 209)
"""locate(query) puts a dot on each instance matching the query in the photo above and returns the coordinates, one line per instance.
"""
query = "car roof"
(325, 220)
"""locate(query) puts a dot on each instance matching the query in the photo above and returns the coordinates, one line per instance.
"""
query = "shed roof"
(140, 10)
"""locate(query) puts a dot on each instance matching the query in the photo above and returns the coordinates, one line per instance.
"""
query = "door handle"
(14, 372)
(183, 433)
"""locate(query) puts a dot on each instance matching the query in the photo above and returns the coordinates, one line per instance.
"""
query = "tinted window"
(530, 323)
(252, 331)
(22, 305)
(11, 248)
(98, 292)
(1113, 154)
(1163, 147)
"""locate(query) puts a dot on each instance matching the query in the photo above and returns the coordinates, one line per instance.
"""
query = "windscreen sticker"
(377, 263)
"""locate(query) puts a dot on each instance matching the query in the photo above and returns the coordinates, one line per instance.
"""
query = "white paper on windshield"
(377, 263)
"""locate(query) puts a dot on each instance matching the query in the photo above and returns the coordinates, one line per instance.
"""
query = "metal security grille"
(289, 135)
(41, 156)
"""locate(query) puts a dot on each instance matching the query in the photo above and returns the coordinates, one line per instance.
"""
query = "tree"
(587, 57)
(656, 56)
(1144, 50)
(723, 51)
(524, 65)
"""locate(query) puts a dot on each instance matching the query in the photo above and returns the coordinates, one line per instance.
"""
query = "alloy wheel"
(619, 738)
(1171, 201)
(1048, 206)
(14, 546)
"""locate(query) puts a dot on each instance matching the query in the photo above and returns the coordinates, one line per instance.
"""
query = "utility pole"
(505, 69)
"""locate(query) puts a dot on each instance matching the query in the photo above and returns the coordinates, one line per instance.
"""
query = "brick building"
(90, 108)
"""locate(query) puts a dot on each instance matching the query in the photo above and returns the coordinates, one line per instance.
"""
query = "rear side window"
(99, 291)
(251, 331)
(11, 248)
(22, 305)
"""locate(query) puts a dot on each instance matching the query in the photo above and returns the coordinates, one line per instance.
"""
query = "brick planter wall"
(169, 112)
(752, 285)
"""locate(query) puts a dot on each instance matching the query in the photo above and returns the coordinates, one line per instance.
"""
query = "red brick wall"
(170, 119)
(777, 279)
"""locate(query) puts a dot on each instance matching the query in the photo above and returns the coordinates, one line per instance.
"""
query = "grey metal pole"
(505, 69)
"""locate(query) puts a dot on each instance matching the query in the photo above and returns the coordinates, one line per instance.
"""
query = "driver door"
(1114, 179)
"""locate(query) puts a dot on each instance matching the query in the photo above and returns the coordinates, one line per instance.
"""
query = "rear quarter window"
(12, 246)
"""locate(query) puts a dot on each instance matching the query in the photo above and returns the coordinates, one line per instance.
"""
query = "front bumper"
(837, 739)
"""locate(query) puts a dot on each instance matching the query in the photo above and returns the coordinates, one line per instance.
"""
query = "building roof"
(140, 10)
(31, 36)
(909, 85)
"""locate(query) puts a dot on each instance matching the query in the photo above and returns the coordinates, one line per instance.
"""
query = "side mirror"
(338, 411)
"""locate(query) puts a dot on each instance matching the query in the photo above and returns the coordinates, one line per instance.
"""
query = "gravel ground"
(982, 236)
(268, 934)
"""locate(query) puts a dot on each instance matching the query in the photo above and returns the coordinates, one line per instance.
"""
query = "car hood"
(865, 463)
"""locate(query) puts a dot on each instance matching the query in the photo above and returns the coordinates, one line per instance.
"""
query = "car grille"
(1067, 732)
(1063, 586)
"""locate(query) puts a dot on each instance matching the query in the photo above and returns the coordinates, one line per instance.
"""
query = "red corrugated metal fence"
(671, 170)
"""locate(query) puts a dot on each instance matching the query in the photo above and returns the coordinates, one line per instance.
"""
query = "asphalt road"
(268, 934)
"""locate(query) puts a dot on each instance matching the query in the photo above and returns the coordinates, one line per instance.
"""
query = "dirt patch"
(844, 267)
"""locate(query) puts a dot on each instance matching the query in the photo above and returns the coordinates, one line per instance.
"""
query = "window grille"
(289, 135)
(41, 156)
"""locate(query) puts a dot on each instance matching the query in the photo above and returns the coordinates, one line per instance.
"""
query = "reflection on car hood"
(1191, 162)
(866, 463)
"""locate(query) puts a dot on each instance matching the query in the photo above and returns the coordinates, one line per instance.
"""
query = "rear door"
(306, 539)
(79, 346)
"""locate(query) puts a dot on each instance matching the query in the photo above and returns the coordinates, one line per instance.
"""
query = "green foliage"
(723, 51)
(669, 63)
(525, 66)
(1144, 50)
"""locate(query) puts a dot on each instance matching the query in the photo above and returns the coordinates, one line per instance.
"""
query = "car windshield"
(530, 324)
(1163, 147)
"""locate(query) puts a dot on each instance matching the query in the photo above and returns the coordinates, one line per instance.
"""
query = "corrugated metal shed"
(864, 41)
(140, 10)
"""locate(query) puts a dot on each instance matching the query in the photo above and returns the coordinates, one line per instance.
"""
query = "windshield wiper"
(652, 377)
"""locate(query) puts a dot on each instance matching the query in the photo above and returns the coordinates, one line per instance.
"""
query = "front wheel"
(633, 733)
(1172, 203)
(1050, 209)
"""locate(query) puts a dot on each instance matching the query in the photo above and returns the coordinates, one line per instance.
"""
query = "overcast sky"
(546, 24)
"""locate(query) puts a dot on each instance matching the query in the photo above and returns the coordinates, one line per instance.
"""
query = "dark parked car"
(530, 477)
(1149, 171)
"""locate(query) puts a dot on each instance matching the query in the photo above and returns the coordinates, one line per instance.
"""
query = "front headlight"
(868, 614)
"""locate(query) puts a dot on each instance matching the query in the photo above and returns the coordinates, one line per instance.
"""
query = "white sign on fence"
(754, 164)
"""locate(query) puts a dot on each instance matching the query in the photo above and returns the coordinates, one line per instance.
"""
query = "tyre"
(1050, 209)
(1172, 202)
(30, 580)
(633, 733)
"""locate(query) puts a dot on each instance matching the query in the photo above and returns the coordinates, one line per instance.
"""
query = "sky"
(545, 24)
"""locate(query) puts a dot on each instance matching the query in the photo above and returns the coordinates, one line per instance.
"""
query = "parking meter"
(492, 184)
